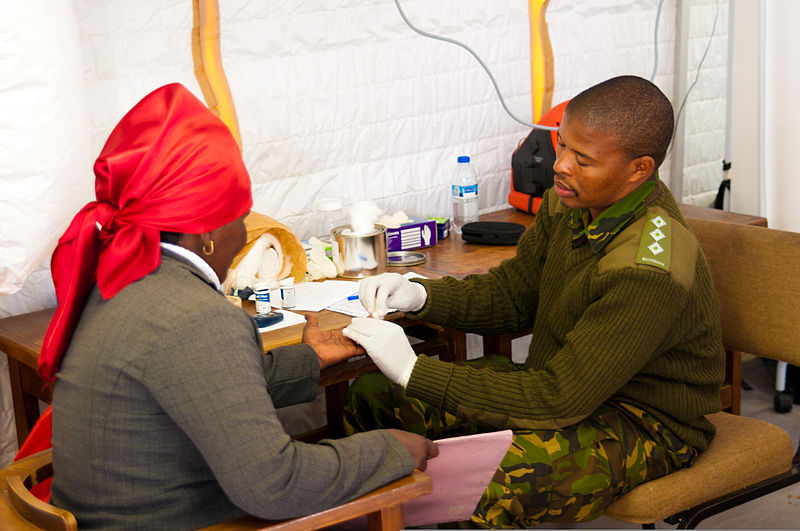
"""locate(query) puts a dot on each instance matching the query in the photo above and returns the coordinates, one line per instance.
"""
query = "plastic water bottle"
(465, 194)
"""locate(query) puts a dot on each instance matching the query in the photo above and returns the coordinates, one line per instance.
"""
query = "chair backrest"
(25, 509)
(756, 274)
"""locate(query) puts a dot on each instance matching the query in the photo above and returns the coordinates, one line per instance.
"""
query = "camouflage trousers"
(551, 475)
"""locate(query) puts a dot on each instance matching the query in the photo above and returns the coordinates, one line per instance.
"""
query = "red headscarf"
(169, 165)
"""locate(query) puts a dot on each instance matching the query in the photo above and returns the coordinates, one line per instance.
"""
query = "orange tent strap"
(541, 59)
(207, 61)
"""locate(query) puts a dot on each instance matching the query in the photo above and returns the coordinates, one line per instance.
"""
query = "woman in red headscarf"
(164, 404)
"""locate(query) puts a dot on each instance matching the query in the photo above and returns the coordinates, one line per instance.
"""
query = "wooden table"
(21, 335)
(21, 339)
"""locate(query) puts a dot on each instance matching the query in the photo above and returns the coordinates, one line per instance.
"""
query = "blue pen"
(352, 298)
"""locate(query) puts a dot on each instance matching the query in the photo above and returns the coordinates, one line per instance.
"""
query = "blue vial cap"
(463, 158)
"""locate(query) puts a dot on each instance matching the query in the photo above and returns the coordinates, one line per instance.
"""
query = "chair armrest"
(20, 506)
(387, 499)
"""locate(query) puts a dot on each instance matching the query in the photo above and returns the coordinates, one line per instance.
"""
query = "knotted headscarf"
(169, 165)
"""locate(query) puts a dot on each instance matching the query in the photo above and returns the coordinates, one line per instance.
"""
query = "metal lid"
(328, 204)
(404, 258)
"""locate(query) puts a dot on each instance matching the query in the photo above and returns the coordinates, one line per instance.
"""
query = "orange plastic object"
(208, 64)
(541, 60)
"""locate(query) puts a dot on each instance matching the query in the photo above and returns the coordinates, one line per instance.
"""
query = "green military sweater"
(622, 308)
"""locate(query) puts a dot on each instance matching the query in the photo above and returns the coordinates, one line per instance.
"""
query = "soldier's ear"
(645, 165)
(642, 168)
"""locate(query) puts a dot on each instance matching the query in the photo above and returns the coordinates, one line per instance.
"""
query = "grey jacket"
(164, 416)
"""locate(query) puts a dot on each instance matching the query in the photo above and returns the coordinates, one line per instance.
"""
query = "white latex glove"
(390, 290)
(387, 345)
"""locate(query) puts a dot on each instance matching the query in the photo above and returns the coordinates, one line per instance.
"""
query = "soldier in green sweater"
(626, 355)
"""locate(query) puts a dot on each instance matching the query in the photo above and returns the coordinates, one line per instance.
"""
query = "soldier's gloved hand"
(387, 345)
(390, 290)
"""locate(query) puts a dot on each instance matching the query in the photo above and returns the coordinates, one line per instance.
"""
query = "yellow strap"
(541, 60)
(208, 64)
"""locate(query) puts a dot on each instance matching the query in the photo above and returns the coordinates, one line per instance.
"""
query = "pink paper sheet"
(460, 474)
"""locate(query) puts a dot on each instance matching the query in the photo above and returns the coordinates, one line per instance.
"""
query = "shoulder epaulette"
(656, 241)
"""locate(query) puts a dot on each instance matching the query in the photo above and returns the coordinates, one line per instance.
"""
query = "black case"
(492, 232)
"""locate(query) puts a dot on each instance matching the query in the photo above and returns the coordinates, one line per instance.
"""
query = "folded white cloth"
(265, 262)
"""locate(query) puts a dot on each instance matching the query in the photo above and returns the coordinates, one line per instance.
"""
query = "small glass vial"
(288, 296)
(263, 305)
(275, 295)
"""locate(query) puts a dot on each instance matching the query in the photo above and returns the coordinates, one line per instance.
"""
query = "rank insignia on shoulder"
(654, 247)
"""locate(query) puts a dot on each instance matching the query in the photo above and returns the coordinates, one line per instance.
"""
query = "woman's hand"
(330, 345)
(420, 448)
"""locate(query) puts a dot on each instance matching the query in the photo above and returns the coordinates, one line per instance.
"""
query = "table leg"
(497, 344)
(27, 389)
(335, 396)
(26, 407)
(457, 339)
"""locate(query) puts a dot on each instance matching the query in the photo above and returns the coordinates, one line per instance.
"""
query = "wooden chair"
(20, 510)
(756, 273)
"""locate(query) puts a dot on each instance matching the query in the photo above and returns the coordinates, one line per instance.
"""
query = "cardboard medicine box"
(415, 234)
(442, 227)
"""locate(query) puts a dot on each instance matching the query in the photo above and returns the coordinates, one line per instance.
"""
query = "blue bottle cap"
(463, 158)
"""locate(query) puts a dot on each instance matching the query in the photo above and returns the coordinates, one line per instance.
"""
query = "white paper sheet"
(289, 319)
(353, 307)
(316, 296)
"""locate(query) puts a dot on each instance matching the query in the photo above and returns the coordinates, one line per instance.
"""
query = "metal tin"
(359, 256)
(404, 258)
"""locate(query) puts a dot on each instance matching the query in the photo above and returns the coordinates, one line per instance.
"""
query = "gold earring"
(209, 252)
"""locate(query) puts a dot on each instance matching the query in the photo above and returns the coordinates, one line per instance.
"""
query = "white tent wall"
(342, 99)
(765, 111)
(781, 114)
(44, 160)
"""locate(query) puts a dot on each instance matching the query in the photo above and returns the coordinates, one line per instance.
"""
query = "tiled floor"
(779, 510)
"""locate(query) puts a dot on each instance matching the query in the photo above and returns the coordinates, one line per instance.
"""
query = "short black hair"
(631, 108)
(171, 237)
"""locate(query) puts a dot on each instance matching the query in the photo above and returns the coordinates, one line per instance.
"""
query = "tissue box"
(415, 234)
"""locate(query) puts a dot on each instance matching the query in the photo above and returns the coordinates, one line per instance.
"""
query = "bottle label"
(288, 297)
(263, 305)
(465, 191)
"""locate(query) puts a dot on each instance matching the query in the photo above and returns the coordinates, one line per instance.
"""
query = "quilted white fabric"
(44, 148)
(334, 99)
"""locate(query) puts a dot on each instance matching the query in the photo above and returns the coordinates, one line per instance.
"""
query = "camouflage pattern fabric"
(565, 475)
(374, 402)
(601, 230)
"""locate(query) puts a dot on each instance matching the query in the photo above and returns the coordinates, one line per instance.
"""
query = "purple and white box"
(415, 234)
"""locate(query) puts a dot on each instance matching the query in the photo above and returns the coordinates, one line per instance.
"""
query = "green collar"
(613, 219)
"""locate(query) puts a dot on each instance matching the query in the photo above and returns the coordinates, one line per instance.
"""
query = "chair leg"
(701, 512)
(387, 519)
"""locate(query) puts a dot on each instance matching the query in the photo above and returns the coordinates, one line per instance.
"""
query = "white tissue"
(319, 265)
(394, 221)
(363, 215)
(388, 221)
